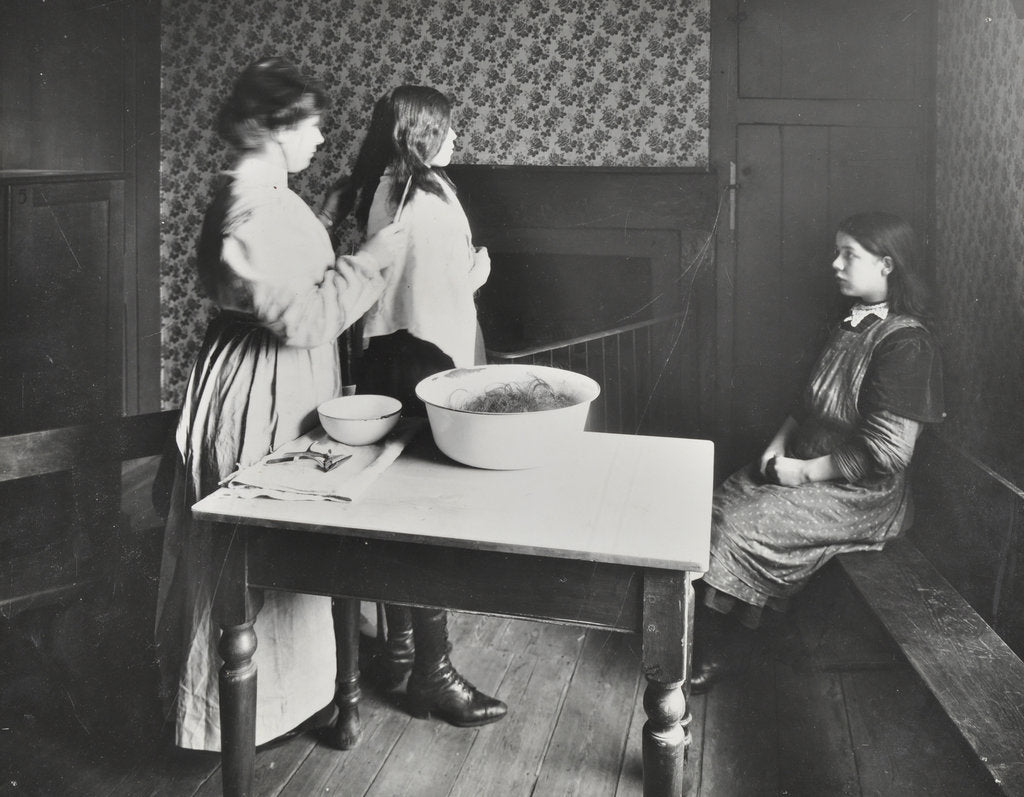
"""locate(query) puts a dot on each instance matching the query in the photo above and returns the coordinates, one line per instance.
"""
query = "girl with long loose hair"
(424, 322)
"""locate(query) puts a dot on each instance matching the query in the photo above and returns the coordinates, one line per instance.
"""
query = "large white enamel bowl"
(360, 419)
(500, 440)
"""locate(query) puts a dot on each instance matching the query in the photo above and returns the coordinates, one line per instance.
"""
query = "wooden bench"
(62, 504)
(975, 676)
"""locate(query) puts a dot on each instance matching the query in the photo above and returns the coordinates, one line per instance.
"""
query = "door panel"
(829, 49)
(758, 268)
(878, 168)
(61, 315)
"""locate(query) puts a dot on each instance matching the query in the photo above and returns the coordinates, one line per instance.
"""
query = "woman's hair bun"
(270, 94)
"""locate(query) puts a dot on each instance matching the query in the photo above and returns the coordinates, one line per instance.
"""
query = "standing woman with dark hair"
(270, 356)
(424, 322)
(833, 478)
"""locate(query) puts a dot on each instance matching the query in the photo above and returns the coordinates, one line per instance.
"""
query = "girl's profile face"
(444, 155)
(299, 142)
(860, 274)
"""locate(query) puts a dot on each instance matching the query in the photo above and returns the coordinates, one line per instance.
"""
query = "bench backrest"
(76, 447)
(60, 492)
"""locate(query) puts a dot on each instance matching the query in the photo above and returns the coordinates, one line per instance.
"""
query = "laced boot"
(435, 688)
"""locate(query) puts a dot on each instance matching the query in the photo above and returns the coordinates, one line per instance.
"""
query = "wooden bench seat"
(973, 673)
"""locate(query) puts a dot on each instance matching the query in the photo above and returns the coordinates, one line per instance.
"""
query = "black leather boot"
(399, 649)
(721, 648)
(435, 688)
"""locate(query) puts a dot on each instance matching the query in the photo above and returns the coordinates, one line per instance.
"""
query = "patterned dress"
(269, 358)
(871, 390)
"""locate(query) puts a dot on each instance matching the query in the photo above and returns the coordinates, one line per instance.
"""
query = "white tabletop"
(627, 499)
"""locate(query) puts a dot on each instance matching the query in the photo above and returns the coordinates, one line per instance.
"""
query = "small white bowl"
(504, 441)
(360, 419)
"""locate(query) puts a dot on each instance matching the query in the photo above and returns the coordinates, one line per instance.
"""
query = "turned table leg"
(667, 635)
(236, 607)
(666, 740)
(347, 730)
(238, 709)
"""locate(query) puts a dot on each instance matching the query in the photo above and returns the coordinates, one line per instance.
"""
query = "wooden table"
(609, 536)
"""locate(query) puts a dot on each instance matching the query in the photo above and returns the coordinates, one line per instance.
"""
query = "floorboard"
(815, 751)
(408, 770)
(893, 724)
(738, 755)
(383, 724)
(587, 747)
(505, 759)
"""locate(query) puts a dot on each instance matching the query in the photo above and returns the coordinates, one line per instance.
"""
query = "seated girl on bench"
(833, 479)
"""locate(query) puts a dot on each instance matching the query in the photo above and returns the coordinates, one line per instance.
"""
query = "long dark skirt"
(394, 364)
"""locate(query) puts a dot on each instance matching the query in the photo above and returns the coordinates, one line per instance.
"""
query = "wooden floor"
(826, 707)
(825, 710)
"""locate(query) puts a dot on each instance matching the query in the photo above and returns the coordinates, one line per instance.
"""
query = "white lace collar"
(861, 311)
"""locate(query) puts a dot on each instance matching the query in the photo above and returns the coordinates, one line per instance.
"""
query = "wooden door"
(61, 311)
(820, 109)
(80, 92)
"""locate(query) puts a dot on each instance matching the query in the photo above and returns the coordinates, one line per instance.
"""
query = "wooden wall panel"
(782, 49)
(61, 310)
(80, 91)
(62, 85)
(969, 522)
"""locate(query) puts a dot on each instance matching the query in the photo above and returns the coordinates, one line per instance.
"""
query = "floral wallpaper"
(558, 82)
(979, 240)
